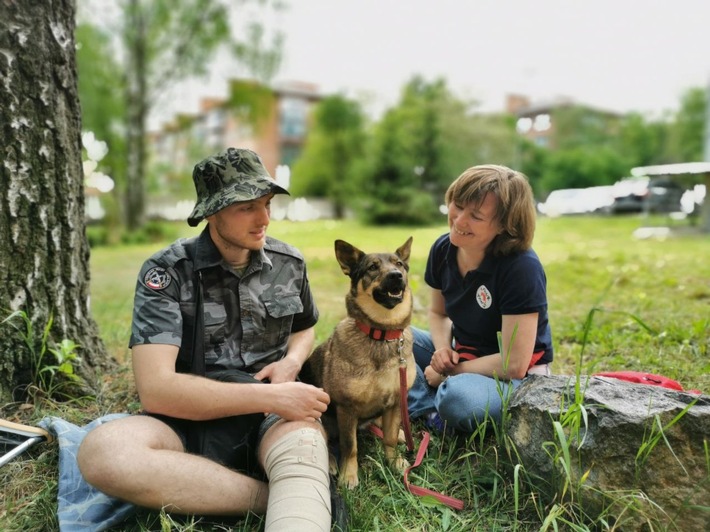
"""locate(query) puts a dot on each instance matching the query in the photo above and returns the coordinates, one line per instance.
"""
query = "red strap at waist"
(466, 352)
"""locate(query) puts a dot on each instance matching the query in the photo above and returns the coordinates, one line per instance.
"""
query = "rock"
(629, 453)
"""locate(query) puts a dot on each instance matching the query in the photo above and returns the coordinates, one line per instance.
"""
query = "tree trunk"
(136, 106)
(44, 253)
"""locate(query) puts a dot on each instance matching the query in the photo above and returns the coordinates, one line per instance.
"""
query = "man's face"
(242, 225)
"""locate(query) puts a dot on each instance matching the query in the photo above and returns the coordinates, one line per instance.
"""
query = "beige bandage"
(299, 493)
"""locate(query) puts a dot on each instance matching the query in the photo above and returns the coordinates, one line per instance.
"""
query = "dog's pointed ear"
(404, 251)
(348, 256)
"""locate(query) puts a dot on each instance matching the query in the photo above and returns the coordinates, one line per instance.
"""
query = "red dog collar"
(380, 334)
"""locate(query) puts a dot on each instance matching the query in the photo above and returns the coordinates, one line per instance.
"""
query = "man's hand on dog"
(298, 401)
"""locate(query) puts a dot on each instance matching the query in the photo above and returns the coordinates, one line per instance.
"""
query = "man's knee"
(95, 454)
(281, 428)
(305, 445)
(108, 452)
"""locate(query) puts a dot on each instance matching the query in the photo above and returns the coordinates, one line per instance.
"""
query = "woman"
(485, 280)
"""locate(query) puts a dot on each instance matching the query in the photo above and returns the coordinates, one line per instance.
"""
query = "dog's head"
(380, 277)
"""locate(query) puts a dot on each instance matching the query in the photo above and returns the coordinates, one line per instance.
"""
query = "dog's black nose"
(396, 274)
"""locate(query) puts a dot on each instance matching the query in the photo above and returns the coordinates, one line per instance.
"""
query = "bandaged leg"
(299, 492)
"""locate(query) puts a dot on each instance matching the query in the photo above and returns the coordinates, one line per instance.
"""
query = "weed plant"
(51, 364)
(615, 303)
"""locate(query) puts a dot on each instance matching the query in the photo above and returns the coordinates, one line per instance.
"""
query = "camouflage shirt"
(247, 319)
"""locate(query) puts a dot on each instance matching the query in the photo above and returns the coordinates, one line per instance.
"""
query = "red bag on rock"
(639, 377)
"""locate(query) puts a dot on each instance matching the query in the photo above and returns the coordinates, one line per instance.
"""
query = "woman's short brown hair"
(515, 211)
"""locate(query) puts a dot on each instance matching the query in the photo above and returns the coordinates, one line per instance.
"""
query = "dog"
(359, 364)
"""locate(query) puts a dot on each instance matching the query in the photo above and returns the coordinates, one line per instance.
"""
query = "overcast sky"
(622, 55)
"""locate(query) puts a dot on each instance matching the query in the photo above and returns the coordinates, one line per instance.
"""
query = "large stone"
(630, 451)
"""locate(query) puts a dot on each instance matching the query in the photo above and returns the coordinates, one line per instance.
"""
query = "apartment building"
(552, 123)
(272, 121)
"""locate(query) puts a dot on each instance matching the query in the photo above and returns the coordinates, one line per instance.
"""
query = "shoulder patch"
(157, 278)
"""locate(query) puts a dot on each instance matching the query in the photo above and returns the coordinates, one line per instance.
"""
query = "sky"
(620, 55)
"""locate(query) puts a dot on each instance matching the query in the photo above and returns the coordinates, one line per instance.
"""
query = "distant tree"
(413, 156)
(582, 167)
(44, 254)
(532, 161)
(163, 42)
(101, 93)
(335, 146)
(580, 126)
(642, 142)
(391, 185)
(688, 131)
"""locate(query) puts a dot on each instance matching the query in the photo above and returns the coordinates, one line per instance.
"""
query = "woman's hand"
(433, 377)
(444, 360)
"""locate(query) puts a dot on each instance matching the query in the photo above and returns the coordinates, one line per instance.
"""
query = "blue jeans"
(463, 401)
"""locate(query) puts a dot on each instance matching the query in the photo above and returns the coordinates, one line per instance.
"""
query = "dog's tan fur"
(361, 374)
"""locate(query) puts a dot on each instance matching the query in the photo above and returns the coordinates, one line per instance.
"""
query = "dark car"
(643, 194)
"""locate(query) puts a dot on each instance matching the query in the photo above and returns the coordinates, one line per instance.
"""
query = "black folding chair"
(15, 439)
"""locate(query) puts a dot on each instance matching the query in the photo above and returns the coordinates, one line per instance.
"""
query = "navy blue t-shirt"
(514, 284)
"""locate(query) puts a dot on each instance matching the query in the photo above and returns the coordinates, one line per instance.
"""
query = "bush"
(410, 207)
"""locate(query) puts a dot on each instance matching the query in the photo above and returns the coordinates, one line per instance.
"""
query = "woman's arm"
(518, 339)
(439, 322)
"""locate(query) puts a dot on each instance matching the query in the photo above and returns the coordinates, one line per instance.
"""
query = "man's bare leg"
(141, 460)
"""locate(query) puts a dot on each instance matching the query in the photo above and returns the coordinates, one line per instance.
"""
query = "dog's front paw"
(348, 481)
(348, 476)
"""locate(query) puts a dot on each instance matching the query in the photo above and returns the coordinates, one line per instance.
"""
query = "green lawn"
(652, 299)
(591, 262)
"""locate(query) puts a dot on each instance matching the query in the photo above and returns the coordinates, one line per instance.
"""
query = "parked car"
(643, 194)
(577, 201)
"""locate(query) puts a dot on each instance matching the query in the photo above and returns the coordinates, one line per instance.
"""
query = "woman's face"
(474, 226)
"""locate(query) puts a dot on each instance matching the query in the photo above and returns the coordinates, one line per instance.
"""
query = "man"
(228, 305)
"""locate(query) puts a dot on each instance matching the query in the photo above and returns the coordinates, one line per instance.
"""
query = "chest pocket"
(280, 313)
(215, 325)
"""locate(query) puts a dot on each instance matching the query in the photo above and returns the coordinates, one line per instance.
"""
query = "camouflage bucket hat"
(228, 177)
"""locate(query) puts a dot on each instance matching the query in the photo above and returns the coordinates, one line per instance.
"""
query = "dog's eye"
(373, 267)
(399, 263)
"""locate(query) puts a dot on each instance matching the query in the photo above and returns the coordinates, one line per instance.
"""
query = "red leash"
(452, 502)
(389, 335)
(456, 504)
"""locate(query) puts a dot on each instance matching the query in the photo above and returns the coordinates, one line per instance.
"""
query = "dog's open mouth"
(389, 294)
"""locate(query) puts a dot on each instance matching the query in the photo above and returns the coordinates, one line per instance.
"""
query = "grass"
(615, 303)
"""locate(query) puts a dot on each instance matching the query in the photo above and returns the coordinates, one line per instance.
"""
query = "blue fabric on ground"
(81, 507)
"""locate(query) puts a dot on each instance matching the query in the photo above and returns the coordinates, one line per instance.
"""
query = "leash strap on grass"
(452, 502)
(456, 504)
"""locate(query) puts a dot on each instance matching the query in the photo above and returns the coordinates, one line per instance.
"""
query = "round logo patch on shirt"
(157, 278)
(483, 296)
